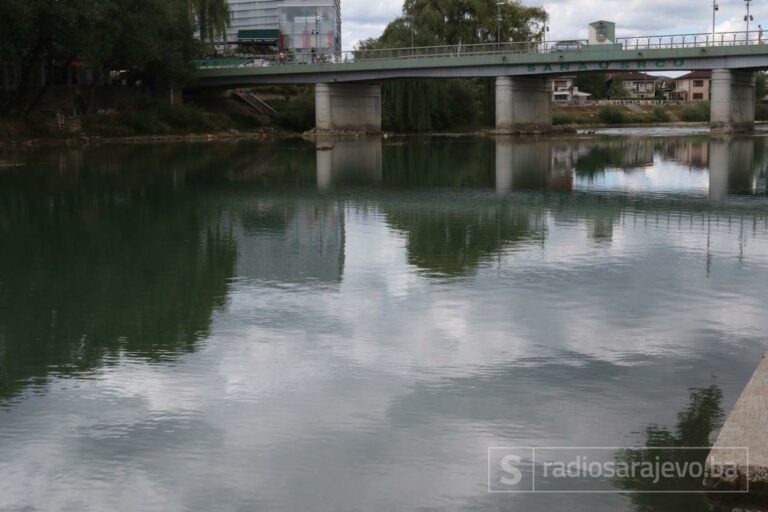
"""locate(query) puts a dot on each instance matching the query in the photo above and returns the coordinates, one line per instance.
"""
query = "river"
(267, 326)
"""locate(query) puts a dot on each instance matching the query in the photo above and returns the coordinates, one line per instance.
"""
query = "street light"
(544, 31)
(748, 17)
(413, 31)
(715, 8)
(498, 24)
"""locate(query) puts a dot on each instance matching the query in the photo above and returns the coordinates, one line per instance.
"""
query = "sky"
(569, 18)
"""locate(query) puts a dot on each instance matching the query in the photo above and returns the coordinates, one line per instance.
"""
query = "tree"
(152, 39)
(616, 88)
(426, 105)
(213, 18)
(474, 21)
(592, 83)
(760, 86)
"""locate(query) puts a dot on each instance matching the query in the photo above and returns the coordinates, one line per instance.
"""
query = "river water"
(251, 326)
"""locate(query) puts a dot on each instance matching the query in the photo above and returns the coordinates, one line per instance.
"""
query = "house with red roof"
(637, 84)
(694, 86)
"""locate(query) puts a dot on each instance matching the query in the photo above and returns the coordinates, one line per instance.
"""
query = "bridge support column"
(733, 101)
(523, 104)
(353, 107)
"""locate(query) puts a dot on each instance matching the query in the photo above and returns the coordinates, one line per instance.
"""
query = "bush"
(298, 114)
(659, 115)
(761, 112)
(696, 112)
(156, 121)
(611, 114)
(188, 119)
(561, 118)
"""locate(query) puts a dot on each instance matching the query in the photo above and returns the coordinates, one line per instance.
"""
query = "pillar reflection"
(523, 164)
(731, 167)
(349, 162)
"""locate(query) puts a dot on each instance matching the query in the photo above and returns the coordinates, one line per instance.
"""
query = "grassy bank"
(150, 121)
(638, 114)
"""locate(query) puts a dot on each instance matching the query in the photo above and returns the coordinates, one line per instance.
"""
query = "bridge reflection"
(109, 253)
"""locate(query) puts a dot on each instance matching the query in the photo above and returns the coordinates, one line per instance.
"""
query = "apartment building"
(299, 27)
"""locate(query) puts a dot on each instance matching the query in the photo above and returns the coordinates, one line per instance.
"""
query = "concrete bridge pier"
(523, 104)
(348, 107)
(733, 101)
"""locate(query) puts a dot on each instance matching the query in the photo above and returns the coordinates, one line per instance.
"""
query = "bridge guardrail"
(672, 41)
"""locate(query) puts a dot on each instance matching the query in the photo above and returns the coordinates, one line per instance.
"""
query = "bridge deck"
(654, 53)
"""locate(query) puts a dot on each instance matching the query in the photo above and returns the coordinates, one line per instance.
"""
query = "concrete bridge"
(348, 90)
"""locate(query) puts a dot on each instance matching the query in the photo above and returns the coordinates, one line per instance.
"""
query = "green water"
(252, 326)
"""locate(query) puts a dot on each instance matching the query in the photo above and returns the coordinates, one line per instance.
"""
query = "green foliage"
(695, 427)
(34, 126)
(150, 39)
(696, 112)
(298, 114)
(428, 105)
(659, 115)
(562, 118)
(760, 85)
(147, 263)
(593, 83)
(761, 112)
(156, 121)
(612, 114)
(213, 18)
(616, 89)
(437, 22)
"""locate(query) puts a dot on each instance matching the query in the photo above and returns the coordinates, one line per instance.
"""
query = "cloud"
(569, 18)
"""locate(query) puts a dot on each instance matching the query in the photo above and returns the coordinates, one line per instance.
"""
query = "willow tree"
(474, 21)
(213, 18)
(426, 105)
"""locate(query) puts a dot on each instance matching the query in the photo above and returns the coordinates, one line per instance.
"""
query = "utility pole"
(748, 18)
(715, 8)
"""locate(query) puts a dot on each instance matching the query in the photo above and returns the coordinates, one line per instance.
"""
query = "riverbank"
(85, 140)
(270, 133)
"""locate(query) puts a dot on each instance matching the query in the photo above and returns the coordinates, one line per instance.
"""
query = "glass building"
(304, 25)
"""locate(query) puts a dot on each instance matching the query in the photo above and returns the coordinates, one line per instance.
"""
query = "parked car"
(567, 46)
(255, 63)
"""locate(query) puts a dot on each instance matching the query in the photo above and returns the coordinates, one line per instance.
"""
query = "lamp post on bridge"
(715, 8)
(316, 33)
(413, 31)
(748, 18)
(498, 24)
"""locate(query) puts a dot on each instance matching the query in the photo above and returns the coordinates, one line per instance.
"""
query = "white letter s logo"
(507, 464)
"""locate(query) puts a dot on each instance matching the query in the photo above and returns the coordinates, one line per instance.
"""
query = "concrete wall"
(523, 104)
(348, 107)
(733, 101)
(745, 429)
